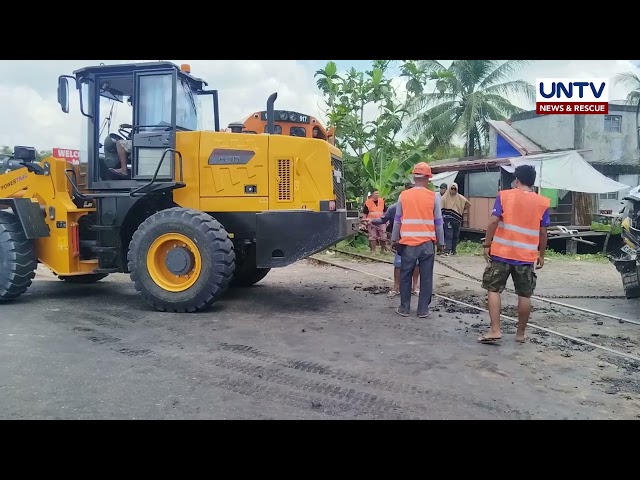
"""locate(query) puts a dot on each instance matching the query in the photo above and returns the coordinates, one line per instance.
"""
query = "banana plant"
(387, 174)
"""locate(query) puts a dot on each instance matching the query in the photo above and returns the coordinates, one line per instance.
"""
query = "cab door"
(155, 125)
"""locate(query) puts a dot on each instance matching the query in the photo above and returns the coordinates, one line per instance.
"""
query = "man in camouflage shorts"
(496, 275)
(514, 247)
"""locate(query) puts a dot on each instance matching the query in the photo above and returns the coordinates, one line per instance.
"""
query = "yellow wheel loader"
(185, 211)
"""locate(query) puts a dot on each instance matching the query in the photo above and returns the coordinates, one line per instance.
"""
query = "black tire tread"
(219, 241)
(630, 284)
(18, 258)
(248, 277)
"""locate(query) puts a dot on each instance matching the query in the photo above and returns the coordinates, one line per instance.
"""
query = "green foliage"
(630, 80)
(467, 247)
(371, 154)
(615, 229)
(358, 243)
(464, 97)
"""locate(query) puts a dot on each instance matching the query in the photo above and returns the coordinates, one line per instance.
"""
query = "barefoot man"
(516, 240)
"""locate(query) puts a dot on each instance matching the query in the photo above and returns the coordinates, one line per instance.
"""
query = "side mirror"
(63, 94)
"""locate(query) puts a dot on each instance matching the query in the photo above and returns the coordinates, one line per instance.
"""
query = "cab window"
(277, 129)
(155, 101)
(298, 132)
(186, 110)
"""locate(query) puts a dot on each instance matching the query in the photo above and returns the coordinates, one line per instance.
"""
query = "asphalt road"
(308, 342)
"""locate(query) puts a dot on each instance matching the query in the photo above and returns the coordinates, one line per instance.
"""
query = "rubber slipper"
(401, 313)
(485, 339)
(123, 175)
(424, 315)
(523, 340)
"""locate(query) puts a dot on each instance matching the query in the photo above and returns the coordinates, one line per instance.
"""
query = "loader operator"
(123, 148)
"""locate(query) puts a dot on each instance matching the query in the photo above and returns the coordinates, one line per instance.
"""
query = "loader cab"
(141, 108)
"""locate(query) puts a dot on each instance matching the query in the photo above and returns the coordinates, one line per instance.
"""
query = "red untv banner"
(573, 96)
(72, 156)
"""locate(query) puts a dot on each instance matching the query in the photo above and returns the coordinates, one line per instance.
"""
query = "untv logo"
(574, 96)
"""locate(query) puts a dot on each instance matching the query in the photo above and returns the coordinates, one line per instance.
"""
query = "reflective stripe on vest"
(375, 211)
(417, 222)
(518, 234)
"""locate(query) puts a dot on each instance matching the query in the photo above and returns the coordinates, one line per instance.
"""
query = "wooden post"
(582, 204)
(606, 243)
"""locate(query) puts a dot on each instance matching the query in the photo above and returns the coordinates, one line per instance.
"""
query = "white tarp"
(444, 177)
(566, 171)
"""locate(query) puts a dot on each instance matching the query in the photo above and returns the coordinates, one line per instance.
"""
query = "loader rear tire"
(631, 284)
(83, 279)
(181, 260)
(18, 260)
(248, 278)
(247, 274)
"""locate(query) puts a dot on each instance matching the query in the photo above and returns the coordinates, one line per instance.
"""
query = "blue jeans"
(424, 255)
(397, 261)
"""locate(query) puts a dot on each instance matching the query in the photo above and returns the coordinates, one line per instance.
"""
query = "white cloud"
(31, 115)
(581, 69)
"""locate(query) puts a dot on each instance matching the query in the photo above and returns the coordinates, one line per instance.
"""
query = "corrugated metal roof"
(451, 166)
(517, 140)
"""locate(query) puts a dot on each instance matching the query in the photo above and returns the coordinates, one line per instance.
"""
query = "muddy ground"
(315, 342)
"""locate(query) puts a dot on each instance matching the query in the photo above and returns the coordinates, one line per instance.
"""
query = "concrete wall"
(612, 202)
(613, 153)
(551, 132)
(557, 132)
(611, 147)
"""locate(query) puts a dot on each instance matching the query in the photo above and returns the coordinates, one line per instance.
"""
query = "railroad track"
(541, 298)
(533, 326)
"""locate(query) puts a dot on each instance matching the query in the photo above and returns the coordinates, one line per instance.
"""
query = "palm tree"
(631, 80)
(467, 94)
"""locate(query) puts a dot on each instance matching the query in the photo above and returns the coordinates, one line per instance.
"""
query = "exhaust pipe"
(270, 113)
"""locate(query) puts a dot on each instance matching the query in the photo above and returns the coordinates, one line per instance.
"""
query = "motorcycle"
(628, 264)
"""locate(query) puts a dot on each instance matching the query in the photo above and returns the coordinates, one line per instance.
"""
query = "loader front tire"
(181, 260)
(18, 260)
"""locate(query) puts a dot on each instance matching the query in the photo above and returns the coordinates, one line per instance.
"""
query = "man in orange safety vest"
(374, 208)
(515, 241)
(416, 229)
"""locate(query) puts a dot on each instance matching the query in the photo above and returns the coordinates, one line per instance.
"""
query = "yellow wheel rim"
(174, 262)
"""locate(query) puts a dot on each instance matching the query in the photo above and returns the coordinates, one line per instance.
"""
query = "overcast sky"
(31, 115)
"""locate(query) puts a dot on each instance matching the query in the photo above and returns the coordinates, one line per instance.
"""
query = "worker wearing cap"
(416, 230)
(388, 218)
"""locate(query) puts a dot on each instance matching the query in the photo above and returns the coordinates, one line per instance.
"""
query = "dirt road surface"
(314, 342)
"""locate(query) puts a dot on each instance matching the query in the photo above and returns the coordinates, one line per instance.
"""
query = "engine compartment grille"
(338, 182)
